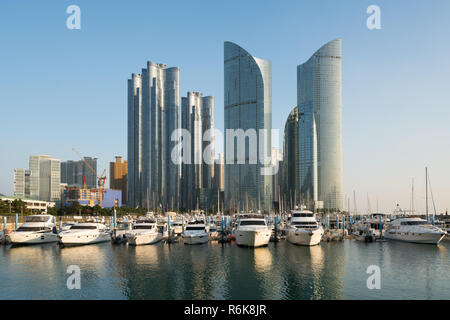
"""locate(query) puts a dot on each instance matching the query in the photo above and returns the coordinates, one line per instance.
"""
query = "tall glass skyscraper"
(197, 117)
(291, 161)
(248, 105)
(153, 115)
(319, 99)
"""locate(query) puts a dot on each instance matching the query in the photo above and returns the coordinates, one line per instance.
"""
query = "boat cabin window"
(191, 228)
(37, 219)
(142, 227)
(252, 223)
(413, 223)
(302, 215)
(25, 229)
(75, 227)
(303, 223)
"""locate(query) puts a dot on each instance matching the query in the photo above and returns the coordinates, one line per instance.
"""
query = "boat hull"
(77, 240)
(253, 238)
(25, 238)
(197, 239)
(305, 237)
(425, 238)
(143, 239)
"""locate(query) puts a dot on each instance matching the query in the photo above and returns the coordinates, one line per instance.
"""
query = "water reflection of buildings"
(313, 273)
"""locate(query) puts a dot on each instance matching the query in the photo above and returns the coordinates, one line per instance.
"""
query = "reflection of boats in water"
(36, 229)
(263, 259)
(92, 256)
(145, 254)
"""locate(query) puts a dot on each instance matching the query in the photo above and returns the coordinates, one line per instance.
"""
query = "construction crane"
(100, 180)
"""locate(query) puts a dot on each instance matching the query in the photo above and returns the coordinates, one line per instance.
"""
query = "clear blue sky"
(63, 88)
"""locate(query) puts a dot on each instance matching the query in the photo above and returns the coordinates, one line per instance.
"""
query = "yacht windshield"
(142, 227)
(25, 229)
(302, 215)
(37, 219)
(414, 223)
(82, 227)
(252, 223)
(194, 228)
(304, 223)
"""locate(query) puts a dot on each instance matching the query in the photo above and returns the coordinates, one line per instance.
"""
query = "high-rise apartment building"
(72, 172)
(22, 183)
(248, 105)
(291, 161)
(118, 176)
(153, 115)
(45, 178)
(197, 176)
(319, 100)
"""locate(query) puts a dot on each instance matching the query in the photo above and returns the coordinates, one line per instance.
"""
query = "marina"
(146, 259)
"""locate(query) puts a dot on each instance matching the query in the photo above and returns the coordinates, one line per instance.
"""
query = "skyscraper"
(45, 178)
(72, 172)
(22, 183)
(197, 117)
(291, 160)
(118, 177)
(153, 111)
(248, 105)
(319, 99)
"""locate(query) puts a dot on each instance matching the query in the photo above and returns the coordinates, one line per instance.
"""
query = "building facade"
(319, 100)
(72, 172)
(197, 170)
(118, 177)
(153, 115)
(45, 178)
(22, 183)
(291, 161)
(248, 105)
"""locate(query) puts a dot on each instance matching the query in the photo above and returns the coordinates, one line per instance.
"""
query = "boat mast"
(426, 191)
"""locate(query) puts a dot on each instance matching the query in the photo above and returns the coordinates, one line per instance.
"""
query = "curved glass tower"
(248, 105)
(291, 173)
(319, 98)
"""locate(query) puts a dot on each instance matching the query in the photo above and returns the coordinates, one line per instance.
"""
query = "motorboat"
(176, 227)
(252, 231)
(144, 232)
(36, 229)
(84, 233)
(304, 228)
(118, 235)
(415, 230)
(195, 233)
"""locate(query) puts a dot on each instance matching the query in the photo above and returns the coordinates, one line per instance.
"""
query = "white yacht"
(36, 229)
(119, 234)
(252, 231)
(304, 228)
(195, 233)
(84, 233)
(145, 232)
(176, 227)
(415, 230)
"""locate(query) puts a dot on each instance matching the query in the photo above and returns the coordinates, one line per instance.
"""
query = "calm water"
(214, 271)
